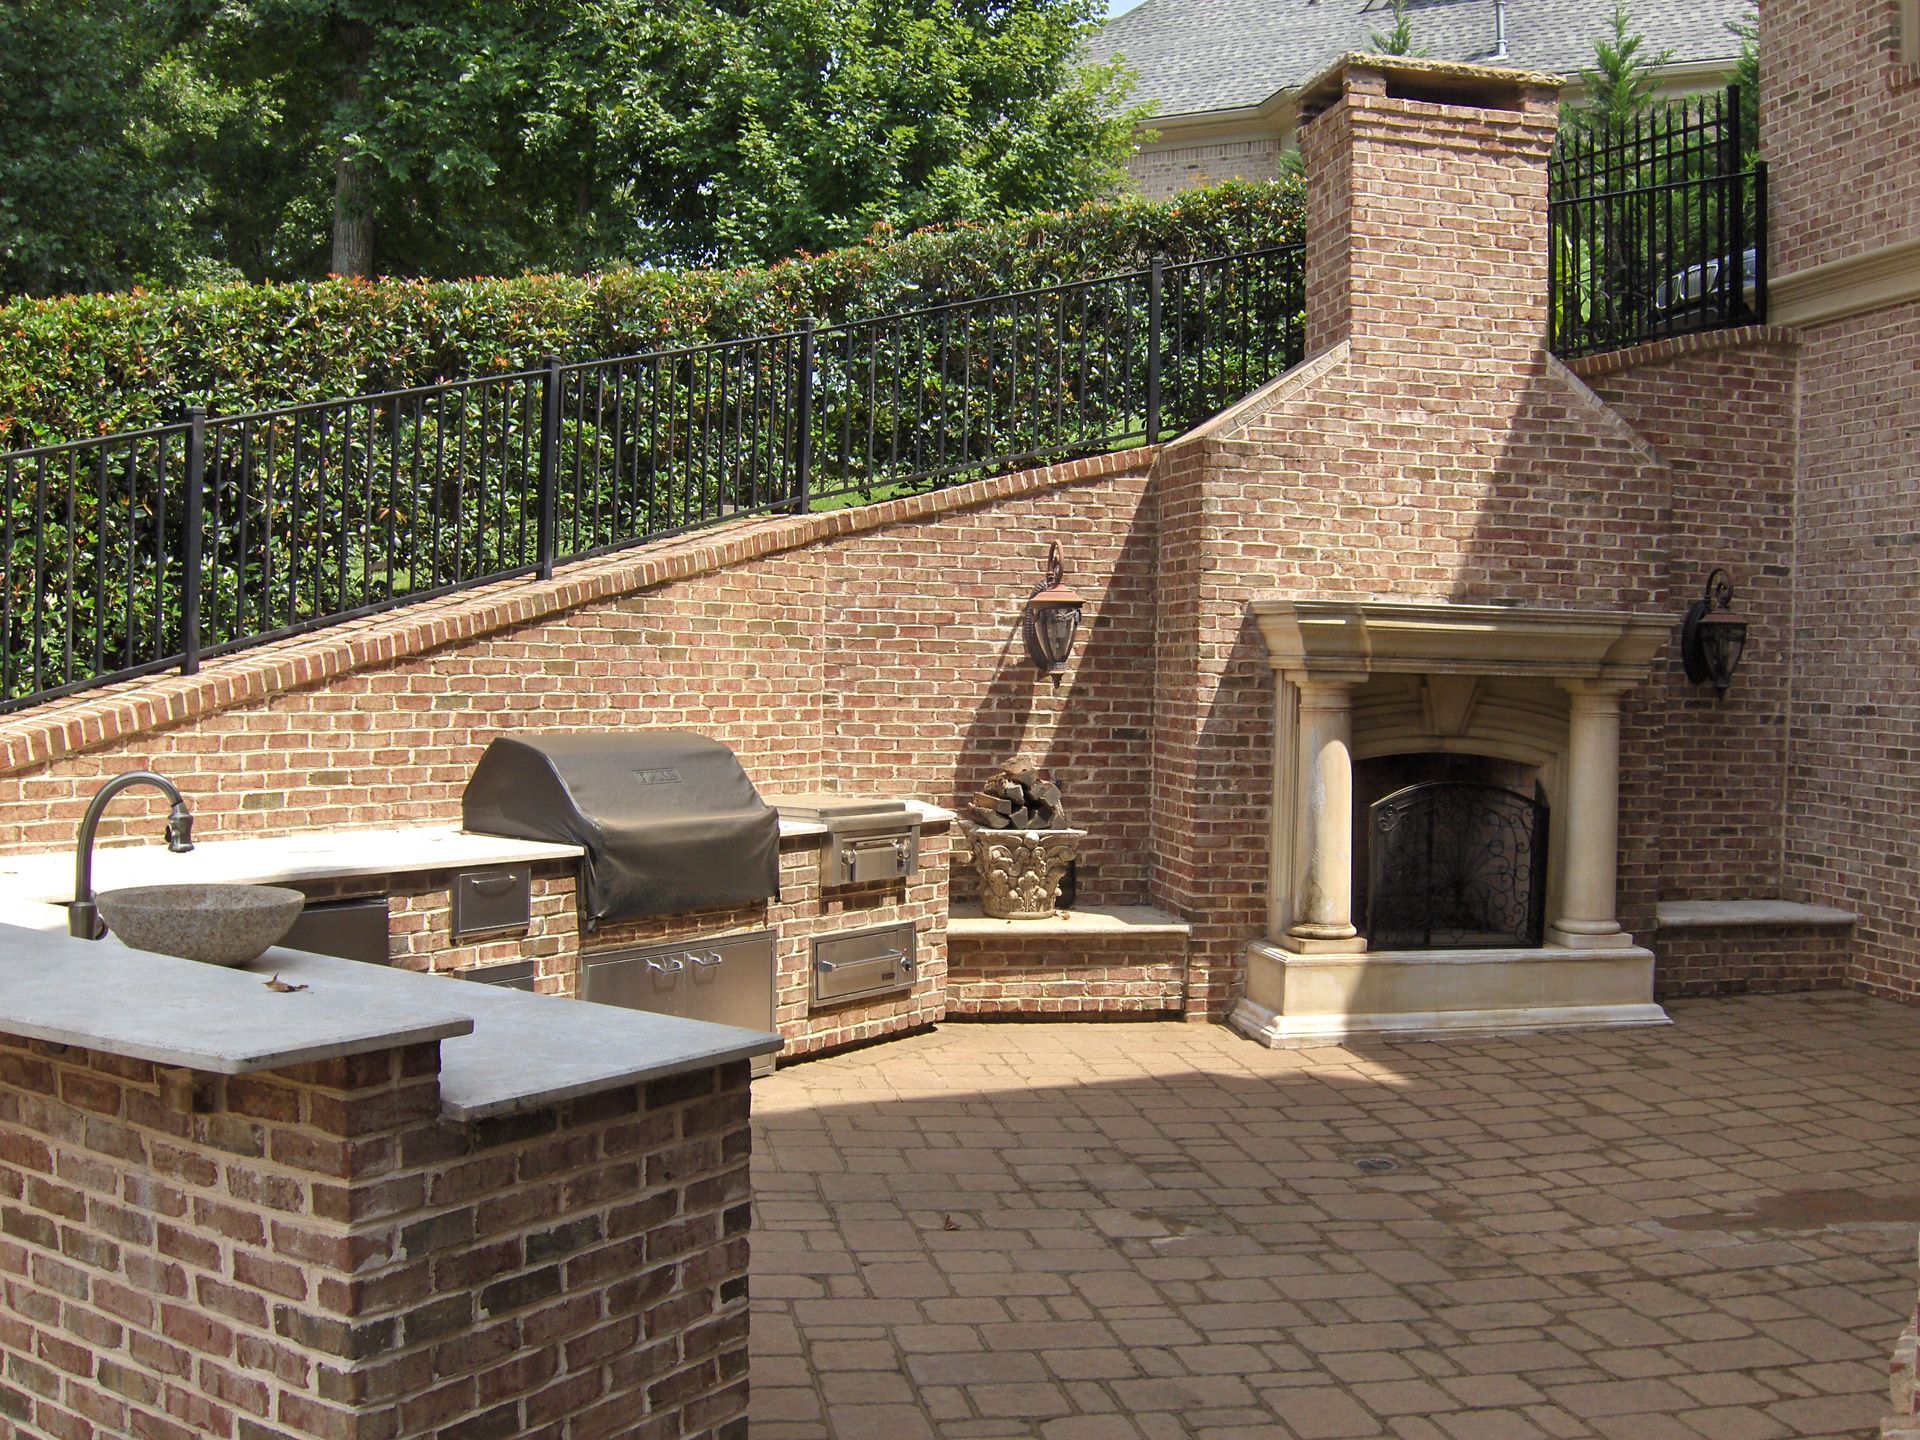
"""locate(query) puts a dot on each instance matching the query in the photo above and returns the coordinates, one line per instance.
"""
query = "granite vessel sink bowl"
(218, 924)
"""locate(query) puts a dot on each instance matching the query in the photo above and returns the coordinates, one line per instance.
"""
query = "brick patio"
(1159, 1230)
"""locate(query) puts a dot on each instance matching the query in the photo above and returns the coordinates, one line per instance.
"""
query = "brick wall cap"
(1265, 401)
(1659, 352)
(1330, 85)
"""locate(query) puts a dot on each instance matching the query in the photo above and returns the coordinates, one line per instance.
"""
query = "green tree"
(400, 135)
(287, 139)
(1621, 86)
(1399, 39)
(97, 119)
(1746, 75)
(756, 128)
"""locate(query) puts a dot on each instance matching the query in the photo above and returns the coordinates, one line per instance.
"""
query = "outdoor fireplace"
(1446, 820)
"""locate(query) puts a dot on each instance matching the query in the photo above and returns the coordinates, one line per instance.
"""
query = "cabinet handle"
(667, 967)
(827, 967)
(492, 884)
(713, 958)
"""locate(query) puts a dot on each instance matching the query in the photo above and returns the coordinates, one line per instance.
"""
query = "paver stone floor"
(1118, 1231)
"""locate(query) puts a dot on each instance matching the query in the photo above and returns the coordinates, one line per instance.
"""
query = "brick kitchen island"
(363, 1202)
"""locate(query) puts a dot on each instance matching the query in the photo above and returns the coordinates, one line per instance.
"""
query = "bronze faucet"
(83, 916)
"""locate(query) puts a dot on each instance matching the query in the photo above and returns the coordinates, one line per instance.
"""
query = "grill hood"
(669, 820)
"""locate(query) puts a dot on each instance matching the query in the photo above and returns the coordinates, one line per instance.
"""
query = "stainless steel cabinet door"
(730, 981)
(653, 979)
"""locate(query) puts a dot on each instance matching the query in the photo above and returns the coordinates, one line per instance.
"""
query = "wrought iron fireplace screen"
(1456, 864)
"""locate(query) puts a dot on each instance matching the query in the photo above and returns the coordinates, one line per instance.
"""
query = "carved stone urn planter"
(1020, 870)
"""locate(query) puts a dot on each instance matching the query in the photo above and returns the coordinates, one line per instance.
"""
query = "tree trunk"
(352, 219)
(352, 188)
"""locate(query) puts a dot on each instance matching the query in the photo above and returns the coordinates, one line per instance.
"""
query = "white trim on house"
(1878, 278)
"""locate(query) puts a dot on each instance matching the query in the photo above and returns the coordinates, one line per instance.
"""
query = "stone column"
(1323, 819)
(1589, 906)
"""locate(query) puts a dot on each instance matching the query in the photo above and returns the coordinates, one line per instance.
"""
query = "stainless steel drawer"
(494, 901)
(728, 981)
(863, 963)
(351, 929)
(513, 975)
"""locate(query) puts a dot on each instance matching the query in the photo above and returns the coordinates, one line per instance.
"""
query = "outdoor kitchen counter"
(275, 860)
(501, 1051)
(309, 855)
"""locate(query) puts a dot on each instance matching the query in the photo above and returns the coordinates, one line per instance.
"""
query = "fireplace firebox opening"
(1450, 852)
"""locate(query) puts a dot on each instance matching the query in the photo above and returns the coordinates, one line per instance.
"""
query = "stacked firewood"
(1018, 799)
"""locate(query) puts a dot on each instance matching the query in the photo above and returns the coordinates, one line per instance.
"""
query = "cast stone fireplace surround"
(1362, 678)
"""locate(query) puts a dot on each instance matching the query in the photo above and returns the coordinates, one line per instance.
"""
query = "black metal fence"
(1658, 228)
(146, 551)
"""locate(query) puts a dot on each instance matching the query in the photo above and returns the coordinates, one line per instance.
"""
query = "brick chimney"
(1427, 206)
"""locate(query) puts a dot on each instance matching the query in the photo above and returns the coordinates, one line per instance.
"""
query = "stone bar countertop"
(272, 860)
(308, 855)
(501, 1051)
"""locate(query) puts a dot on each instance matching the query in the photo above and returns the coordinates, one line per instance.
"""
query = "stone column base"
(1311, 945)
(1295, 999)
(1613, 939)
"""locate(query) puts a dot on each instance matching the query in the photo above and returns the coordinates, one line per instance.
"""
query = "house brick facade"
(1841, 105)
(1161, 171)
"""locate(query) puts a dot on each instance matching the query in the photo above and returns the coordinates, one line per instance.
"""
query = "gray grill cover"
(669, 820)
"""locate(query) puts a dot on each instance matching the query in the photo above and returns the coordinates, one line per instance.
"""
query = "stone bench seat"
(1750, 946)
(1124, 960)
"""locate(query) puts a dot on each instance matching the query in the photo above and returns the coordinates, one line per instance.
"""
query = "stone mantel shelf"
(1356, 638)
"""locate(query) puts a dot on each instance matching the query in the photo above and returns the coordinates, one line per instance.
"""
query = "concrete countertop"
(274, 860)
(305, 856)
(502, 1051)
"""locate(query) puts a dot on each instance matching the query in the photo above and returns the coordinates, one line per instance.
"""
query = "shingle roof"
(1200, 55)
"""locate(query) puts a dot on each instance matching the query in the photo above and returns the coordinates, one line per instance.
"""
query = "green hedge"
(90, 365)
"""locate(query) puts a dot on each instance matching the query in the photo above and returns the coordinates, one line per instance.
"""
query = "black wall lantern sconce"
(1712, 636)
(1052, 618)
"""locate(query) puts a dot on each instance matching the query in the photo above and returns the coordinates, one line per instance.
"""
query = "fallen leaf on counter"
(282, 986)
(947, 1223)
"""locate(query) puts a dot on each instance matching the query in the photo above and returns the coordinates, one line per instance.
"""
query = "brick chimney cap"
(1417, 77)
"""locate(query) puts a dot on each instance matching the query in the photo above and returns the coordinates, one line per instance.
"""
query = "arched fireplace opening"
(1450, 852)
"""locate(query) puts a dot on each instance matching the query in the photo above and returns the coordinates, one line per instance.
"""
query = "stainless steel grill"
(668, 819)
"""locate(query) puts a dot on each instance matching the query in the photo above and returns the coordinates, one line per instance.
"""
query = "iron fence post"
(193, 540)
(803, 419)
(1156, 280)
(549, 462)
(1759, 242)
